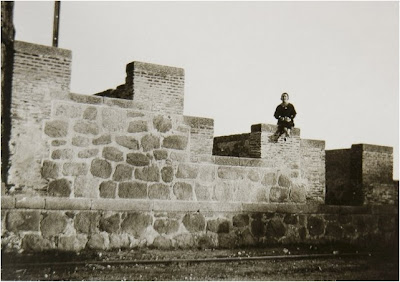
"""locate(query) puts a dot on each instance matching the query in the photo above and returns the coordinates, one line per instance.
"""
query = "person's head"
(284, 97)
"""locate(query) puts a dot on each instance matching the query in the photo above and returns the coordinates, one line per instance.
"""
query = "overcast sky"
(339, 61)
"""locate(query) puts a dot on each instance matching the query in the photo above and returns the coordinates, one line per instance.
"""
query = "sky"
(339, 61)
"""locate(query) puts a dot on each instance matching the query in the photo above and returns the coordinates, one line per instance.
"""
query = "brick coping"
(21, 202)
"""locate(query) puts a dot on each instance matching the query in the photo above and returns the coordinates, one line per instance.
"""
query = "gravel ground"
(99, 266)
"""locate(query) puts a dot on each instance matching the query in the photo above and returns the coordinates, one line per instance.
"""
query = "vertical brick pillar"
(160, 87)
(40, 74)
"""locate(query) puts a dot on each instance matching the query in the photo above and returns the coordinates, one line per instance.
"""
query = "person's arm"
(277, 113)
(293, 115)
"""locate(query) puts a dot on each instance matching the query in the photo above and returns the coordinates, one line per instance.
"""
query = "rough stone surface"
(333, 230)
(59, 188)
(134, 190)
(136, 223)
(62, 154)
(257, 227)
(206, 242)
(114, 120)
(100, 168)
(137, 159)
(98, 241)
(247, 239)
(86, 222)
(150, 173)
(269, 179)
(50, 169)
(207, 173)
(183, 191)
(278, 194)
(75, 169)
(58, 143)
(53, 224)
(162, 124)
(291, 219)
(128, 142)
(159, 191)
(284, 181)
(177, 142)
(23, 221)
(86, 127)
(166, 226)
(315, 226)
(161, 242)
(119, 241)
(240, 220)
(167, 173)
(110, 224)
(160, 154)
(150, 142)
(223, 192)
(90, 113)
(102, 140)
(36, 243)
(86, 187)
(80, 141)
(56, 128)
(194, 222)
(203, 193)
(108, 189)
(72, 243)
(184, 241)
(218, 225)
(298, 194)
(227, 241)
(137, 126)
(113, 154)
(253, 175)
(275, 229)
(88, 153)
(123, 173)
(187, 171)
(68, 111)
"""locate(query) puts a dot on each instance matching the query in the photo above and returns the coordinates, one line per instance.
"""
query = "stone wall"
(360, 175)
(233, 145)
(39, 224)
(40, 74)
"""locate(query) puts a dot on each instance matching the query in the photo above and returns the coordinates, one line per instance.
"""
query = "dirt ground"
(101, 266)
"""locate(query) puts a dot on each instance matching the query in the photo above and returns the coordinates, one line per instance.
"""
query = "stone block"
(298, 193)
(113, 154)
(184, 241)
(218, 225)
(114, 120)
(194, 222)
(149, 173)
(227, 241)
(121, 205)
(240, 220)
(68, 111)
(291, 219)
(284, 181)
(57, 143)
(179, 156)
(203, 192)
(137, 126)
(80, 141)
(108, 189)
(167, 173)
(229, 161)
(103, 140)
(127, 142)
(56, 128)
(132, 114)
(50, 169)
(136, 223)
(259, 207)
(101, 168)
(53, 224)
(62, 154)
(278, 194)
(67, 204)
(223, 192)
(59, 188)
(7, 202)
(150, 142)
(75, 169)
(162, 124)
(315, 226)
(269, 179)
(177, 142)
(134, 190)
(137, 159)
(183, 191)
(253, 175)
(188, 171)
(334, 230)
(159, 191)
(166, 226)
(275, 229)
(90, 113)
(247, 239)
(175, 206)
(206, 241)
(87, 222)
(74, 243)
(119, 241)
(23, 221)
(110, 224)
(24, 202)
(86, 127)
(86, 99)
(86, 187)
(88, 153)
(123, 173)
(207, 173)
(36, 243)
(98, 241)
(161, 242)
(257, 227)
(160, 154)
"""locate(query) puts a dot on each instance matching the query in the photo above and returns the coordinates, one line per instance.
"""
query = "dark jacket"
(285, 111)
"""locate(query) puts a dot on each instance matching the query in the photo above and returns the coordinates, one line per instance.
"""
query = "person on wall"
(285, 114)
